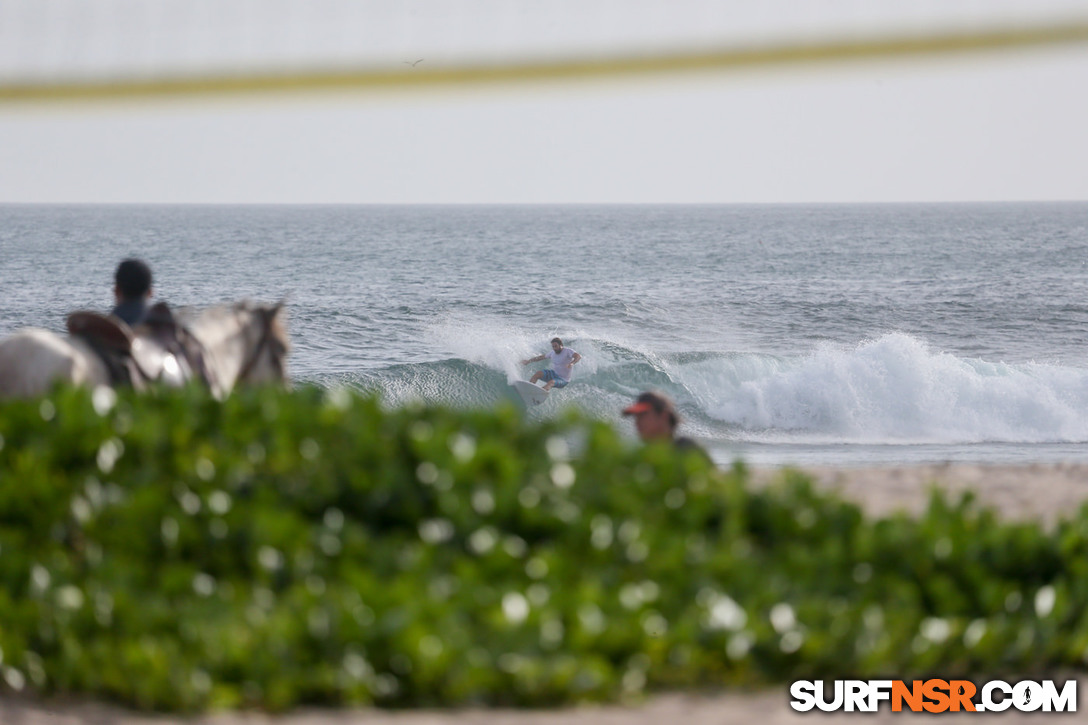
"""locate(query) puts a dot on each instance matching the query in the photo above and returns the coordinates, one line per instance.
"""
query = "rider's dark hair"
(133, 279)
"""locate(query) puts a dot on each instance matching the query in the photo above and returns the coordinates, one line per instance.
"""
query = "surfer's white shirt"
(562, 362)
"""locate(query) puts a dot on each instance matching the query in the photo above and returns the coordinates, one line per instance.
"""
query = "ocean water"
(787, 334)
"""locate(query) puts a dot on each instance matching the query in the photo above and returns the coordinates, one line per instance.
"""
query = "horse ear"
(279, 306)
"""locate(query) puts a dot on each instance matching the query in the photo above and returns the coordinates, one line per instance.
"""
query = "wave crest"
(891, 390)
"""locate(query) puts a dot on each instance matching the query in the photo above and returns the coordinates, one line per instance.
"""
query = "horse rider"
(132, 290)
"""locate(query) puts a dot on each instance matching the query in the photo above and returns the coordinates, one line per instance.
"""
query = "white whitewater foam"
(895, 390)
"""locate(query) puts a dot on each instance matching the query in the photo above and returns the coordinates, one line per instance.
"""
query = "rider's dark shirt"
(687, 444)
(131, 311)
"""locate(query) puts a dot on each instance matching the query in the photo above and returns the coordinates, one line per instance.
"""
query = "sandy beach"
(1044, 492)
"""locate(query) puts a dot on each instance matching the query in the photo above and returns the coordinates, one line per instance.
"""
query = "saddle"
(158, 350)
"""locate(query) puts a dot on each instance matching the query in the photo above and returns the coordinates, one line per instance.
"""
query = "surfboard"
(531, 394)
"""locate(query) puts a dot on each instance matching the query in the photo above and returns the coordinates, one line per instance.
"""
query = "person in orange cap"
(656, 419)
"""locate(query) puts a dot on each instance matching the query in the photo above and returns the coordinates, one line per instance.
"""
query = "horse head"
(266, 361)
(266, 333)
(245, 343)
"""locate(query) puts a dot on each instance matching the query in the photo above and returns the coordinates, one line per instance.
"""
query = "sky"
(992, 126)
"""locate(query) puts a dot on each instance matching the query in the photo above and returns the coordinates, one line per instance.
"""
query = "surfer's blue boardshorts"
(547, 375)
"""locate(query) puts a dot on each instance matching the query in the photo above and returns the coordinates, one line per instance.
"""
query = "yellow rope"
(573, 69)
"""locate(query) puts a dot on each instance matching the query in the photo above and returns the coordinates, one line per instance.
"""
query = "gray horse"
(238, 343)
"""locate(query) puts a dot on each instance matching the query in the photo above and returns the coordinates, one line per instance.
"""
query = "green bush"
(172, 552)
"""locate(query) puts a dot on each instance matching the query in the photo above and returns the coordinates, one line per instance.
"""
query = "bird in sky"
(413, 63)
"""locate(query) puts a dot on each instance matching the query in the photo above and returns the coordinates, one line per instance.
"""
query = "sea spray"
(896, 389)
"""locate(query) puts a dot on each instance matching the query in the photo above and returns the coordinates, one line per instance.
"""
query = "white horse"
(241, 343)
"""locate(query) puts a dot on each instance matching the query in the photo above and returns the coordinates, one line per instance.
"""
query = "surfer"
(132, 289)
(562, 361)
(656, 419)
